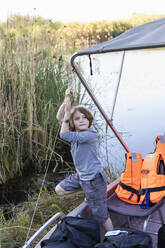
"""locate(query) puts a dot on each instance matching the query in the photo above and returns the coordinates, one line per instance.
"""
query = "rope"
(35, 209)
(72, 79)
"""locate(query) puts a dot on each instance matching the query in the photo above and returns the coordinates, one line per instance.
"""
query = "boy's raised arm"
(65, 123)
(61, 111)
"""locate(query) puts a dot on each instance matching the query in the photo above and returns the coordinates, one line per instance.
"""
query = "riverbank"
(14, 230)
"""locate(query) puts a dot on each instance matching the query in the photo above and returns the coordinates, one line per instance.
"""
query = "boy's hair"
(84, 110)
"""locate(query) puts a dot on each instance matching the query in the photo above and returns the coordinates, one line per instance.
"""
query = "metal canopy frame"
(107, 119)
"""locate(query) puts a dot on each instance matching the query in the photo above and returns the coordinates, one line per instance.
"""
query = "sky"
(81, 10)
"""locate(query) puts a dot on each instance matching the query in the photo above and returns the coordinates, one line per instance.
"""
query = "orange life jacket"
(130, 180)
(143, 180)
(152, 176)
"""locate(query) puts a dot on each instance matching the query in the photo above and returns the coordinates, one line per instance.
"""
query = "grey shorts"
(95, 192)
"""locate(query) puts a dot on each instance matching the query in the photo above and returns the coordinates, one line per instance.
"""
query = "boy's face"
(81, 123)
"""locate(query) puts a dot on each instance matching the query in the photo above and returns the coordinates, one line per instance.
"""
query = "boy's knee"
(59, 190)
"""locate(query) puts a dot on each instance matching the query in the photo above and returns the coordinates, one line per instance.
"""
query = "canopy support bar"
(117, 87)
(109, 122)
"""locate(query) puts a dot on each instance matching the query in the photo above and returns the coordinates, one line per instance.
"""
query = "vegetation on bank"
(16, 230)
(32, 85)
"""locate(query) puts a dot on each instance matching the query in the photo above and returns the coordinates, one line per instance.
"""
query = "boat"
(146, 42)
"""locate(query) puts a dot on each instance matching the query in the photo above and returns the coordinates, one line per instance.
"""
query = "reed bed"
(33, 79)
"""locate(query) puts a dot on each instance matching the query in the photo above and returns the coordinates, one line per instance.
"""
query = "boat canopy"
(148, 35)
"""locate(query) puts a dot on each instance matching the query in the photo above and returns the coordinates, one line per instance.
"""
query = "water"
(139, 113)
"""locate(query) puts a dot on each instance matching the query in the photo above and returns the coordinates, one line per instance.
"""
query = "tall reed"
(33, 79)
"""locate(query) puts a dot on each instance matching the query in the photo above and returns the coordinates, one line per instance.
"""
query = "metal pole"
(82, 79)
(117, 87)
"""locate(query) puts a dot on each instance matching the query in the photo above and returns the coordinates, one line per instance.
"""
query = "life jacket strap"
(146, 201)
(129, 188)
(140, 191)
(156, 189)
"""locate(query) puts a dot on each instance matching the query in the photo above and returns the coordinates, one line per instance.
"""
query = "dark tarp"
(148, 35)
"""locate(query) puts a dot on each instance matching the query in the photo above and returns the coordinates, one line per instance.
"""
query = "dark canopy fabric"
(148, 35)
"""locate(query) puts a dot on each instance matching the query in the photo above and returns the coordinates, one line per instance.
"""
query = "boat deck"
(153, 225)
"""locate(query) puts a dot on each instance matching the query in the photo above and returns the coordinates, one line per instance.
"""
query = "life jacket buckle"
(140, 192)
